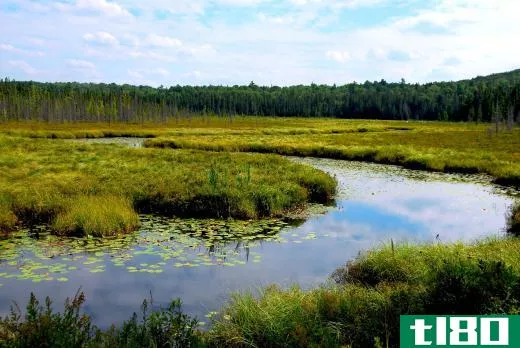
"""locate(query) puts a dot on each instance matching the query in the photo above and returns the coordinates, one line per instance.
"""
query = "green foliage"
(459, 280)
(467, 287)
(163, 328)
(418, 263)
(482, 99)
(325, 317)
(42, 327)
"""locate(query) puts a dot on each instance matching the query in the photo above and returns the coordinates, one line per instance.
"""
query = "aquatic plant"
(37, 255)
(456, 279)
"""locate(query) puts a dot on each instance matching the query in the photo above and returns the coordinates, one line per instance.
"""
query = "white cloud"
(163, 41)
(101, 37)
(24, 66)
(240, 2)
(286, 42)
(142, 73)
(337, 4)
(36, 41)
(338, 56)
(287, 19)
(198, 51)
(16, 50)
(103, 7)
(81, 64)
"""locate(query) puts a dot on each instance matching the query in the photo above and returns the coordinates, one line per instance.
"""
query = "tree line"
(494, 98)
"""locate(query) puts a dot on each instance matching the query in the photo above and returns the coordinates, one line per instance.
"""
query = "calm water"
(127, 141)
(199, 261)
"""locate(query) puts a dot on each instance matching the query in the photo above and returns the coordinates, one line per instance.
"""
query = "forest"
(493, 98)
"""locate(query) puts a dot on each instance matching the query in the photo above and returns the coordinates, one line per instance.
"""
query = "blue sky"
(285, 42)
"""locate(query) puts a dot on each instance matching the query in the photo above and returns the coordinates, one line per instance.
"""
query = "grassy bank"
(450, 147)
(97, 189)
(363, 309)
(462, 148)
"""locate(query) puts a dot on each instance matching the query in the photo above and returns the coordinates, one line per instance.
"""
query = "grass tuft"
(97, 216)
(8, 219)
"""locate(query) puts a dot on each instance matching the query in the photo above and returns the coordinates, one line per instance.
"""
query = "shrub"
(514, 221)
(469, 287)
(163, 328)
(42, 327)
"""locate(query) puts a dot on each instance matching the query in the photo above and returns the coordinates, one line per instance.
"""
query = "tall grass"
(96, 216)
(8, 219)
(374, 290)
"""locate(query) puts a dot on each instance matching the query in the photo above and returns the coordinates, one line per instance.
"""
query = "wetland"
(202, 261)
(264, 248)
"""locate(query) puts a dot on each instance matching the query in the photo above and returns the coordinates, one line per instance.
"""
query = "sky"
(270, 42)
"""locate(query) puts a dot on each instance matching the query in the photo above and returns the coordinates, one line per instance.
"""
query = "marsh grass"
(8, 219)
(449, 147)
(416, 264)
(374, 290)
(93, 188)
(96, 216)
(444, 150)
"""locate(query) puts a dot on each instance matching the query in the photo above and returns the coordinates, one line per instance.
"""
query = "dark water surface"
(200, 262)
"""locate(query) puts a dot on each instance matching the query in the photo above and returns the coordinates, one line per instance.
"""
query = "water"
(134, 142)
(202, 263)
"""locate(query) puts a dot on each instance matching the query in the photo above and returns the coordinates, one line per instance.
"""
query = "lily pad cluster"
(161, 243)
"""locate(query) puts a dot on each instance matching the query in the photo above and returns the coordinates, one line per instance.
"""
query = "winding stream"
(202, 263)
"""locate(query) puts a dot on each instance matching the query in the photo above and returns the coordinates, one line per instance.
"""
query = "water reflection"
(201, 261)
(127, 141)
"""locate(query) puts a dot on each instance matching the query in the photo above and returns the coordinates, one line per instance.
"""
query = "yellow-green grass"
(57, 181)
(8, 220)
(430, 279)
(433, 146)
(96, 216)
(451, 147)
